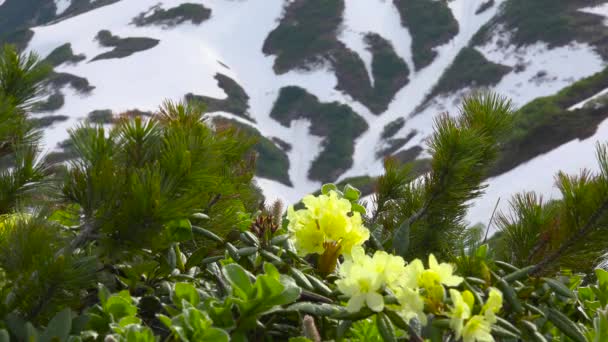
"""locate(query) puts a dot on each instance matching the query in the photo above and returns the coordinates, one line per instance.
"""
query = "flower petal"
(375, 301)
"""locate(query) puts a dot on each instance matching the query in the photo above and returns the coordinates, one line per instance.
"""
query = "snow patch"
(598, 10)
(584, 102)
(538, 70)
(61, 6)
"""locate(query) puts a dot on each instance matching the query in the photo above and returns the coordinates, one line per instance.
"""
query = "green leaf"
(326, 188)
(502, 332)
(600, 326)
(517, 275)
(4, 336)
(59, 327)
(165, 320)
(187, 292)
(271, 270)
(559, 288)
(565, 325)
(200, 216)
(482, 251)
(31, 334)
(171, 258)
(317, 309)
(351, 193)
(120, 305)
(180, 230)
(128, 320)
(250, 238)
(602, 277)
(385, 327)
(207, 234)
(301, 279)
(16, 325)
(240, 282)
(279, 239)
(196, 257)
(215, 334)
(358, 208)
(319, 285)
(68, 217)
(103, 293)
(401, 239)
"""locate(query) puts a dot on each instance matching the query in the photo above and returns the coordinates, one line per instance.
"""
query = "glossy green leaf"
(351, 193)
(187, 292)
(59, 327)
(565, 325)
(239, 280)
(386, 328)
(180, 230)
(326, 188)
(559, 288)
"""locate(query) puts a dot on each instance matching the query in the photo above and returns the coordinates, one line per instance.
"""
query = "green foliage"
(100, 117)
(469, 69)
(21, 79)
(431, 210)
(416, 16)
(123, 47)
(21, 76)
(390, 73)
(133, 182)
(60, 79)
(17, 16)
(308, 30)
(158, 234)
(566, 233)
(41, 281)
(195, 13)
(272, 162)
(392, 128)
(556, 23)
(54, 102)
(63, 54)
(236, 103)
(338, 123)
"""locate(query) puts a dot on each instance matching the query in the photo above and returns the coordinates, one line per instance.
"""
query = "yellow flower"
(493, 305)
(307, 237)
(327, 218)
(390, 267)
(361, 283)
(411, 304)
(477, 329)
(462, 304)
(444, 271)
(412, 274)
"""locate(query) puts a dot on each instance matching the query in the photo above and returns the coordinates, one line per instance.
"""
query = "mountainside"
(331, 87)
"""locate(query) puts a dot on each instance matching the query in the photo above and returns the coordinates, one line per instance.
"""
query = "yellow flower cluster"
(326, 219)
(477, 327)
(418, 290)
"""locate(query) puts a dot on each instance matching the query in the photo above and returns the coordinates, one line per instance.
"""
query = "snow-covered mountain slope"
(197, 40)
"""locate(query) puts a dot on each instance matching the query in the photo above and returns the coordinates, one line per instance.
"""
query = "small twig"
(490, 222)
